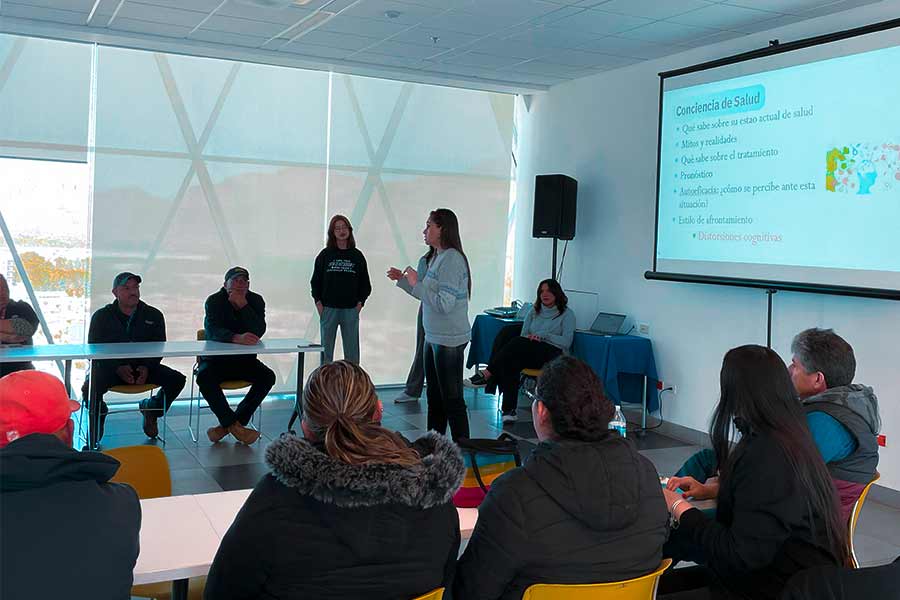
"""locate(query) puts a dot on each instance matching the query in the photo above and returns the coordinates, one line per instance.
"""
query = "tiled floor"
(204, 467)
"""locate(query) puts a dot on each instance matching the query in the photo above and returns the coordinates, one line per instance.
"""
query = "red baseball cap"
(32, 402)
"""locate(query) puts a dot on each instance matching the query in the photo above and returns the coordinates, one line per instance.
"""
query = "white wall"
(602, 130)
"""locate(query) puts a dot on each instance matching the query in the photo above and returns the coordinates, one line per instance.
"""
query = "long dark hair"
(572, 392)
(757, 396)
(449, 224)
(340, 406)
(554, 288)
(332, 240)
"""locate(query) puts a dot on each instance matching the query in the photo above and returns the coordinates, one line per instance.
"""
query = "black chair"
(836, 583)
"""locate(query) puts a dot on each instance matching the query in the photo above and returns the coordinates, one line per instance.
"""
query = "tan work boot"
(243, 434)
(216, 433)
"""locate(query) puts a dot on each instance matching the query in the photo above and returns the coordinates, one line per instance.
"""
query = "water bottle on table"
(618, 422)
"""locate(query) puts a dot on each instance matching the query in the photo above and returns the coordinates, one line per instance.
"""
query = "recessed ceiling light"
(392, 14)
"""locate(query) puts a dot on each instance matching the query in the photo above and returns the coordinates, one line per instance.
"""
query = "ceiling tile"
(463, 4)
(598, 21)
(408, 14)
(151, 28)
(39, 13)
(73, 5)
(666, 32)
(472, 24)
(524, 9)
(424, 35)
(160, 14)
(376, 28)
(509, 48)
(337, 40)
(405, 50)
(242, 26)
(836, 7)
(544, 67)
(229, 39)
(721, 16)
(779, 21)
(715, 38)
(315, 51)
(652, 9)
(619, 46)
(385, 59)
(485, 61)
(560, 13)
(780, 6)
(531, 78)
(196, 5)
(582, 59)
(553, 37)
(282, 16)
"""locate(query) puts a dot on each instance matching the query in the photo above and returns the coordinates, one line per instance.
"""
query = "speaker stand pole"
(769, 294)
(553, 270)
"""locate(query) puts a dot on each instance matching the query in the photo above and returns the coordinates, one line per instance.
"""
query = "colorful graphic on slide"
(863, 168)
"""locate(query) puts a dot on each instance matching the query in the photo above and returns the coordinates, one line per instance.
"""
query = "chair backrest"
(437, 594)
(201, 335)
(854, 516)
(640, 588)
(145, 468)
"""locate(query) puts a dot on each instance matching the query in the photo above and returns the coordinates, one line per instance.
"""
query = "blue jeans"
(348, 320)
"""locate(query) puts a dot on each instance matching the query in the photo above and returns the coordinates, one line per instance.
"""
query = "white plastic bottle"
(618, 422)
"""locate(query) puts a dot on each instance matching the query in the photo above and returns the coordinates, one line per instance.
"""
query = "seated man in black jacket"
(18, 322)
(129, 319)
(54, 499)
(585, 507)
(234, 314)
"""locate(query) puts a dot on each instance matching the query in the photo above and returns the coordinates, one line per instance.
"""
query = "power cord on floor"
(637, 426)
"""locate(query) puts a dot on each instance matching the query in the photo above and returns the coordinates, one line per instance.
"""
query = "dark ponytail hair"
(561, 299)
(758, 397)
(449, 224)
(572, 392)
(340, 406)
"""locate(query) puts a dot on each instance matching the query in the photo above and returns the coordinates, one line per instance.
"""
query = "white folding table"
(181, 534)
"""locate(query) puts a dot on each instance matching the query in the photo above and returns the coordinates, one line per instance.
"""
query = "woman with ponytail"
(351, 510)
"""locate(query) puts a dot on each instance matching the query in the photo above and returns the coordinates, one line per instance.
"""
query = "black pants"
(214, 371)
(171, 383)
(444, 376)
(504, 336)
(7, 368)
(517, 354)
(415, 381)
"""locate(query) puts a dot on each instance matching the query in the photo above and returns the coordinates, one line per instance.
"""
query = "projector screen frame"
(774, 47)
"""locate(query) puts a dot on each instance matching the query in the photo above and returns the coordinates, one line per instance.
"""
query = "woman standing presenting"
(444, 290)
(340, 285)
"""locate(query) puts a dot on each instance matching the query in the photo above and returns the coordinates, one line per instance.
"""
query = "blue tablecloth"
(620, 361)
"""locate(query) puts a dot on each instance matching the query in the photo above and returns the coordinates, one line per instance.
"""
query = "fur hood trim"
(299, 465)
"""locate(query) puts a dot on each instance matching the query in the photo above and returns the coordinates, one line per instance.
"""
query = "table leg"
(180, 589)
(644, 404)
(299, 394)
(67, 377)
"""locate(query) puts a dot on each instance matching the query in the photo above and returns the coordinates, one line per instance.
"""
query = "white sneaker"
(405, 398)
(510, 418)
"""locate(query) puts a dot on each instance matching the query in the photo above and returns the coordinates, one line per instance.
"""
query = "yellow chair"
(129, 388)
(146, 469)
(231, 384)
(854, 516)
(640, 588)
(437, 594)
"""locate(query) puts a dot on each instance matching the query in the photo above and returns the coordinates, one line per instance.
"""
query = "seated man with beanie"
(129, 319)
(67, 531)
(236, 315)
(585, 507)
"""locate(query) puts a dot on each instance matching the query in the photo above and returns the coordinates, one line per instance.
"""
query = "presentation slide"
(787, 174)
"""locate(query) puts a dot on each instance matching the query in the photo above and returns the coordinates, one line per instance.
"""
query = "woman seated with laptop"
(546, 333)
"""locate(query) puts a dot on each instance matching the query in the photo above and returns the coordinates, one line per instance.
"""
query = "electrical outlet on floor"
(643, 328)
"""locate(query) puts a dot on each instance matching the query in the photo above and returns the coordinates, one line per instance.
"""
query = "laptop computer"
(606, 324)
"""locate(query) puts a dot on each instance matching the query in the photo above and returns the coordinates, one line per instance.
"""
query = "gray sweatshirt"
(443, 290)
(553, 328)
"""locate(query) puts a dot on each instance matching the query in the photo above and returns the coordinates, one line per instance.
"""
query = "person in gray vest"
(842, 416)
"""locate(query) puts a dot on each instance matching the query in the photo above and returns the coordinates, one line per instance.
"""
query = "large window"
(192, 165)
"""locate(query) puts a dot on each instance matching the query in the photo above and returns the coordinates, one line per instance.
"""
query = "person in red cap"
(129, 319)
(52, 496)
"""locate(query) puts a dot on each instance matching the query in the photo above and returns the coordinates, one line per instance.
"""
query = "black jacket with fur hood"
(319, 528)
